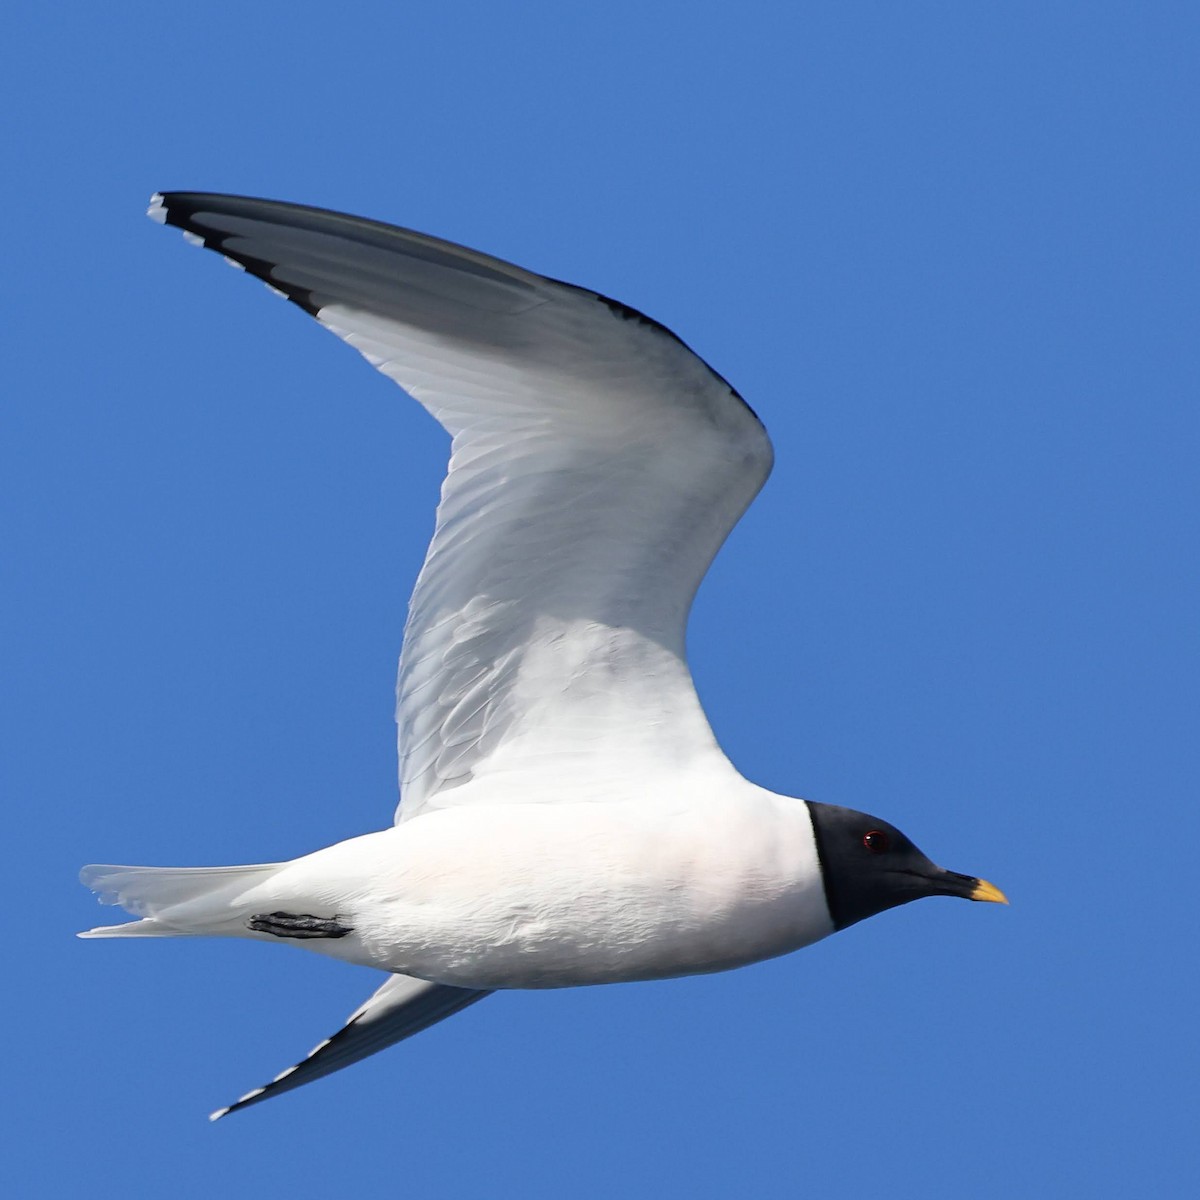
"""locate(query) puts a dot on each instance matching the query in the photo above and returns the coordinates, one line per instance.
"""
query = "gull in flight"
(566, 814)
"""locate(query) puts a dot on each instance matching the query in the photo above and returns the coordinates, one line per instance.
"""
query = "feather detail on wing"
(596, 467)
(401, 1007)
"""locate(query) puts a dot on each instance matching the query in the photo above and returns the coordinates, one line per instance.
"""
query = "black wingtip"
(178, 209)
(267, 1090)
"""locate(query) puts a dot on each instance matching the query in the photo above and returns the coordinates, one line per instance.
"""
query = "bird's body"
(567, 816)
(559, 895)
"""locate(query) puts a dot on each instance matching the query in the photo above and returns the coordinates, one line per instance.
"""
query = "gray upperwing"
(401, 1007)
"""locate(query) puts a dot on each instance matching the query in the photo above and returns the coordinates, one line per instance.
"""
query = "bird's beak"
(951, 883)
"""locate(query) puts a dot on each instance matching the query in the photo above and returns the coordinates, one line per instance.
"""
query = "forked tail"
(174, 901)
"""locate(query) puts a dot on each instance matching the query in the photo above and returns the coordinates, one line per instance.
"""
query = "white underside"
(543, 895)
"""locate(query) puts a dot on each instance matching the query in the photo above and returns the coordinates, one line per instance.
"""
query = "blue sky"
(948, 252)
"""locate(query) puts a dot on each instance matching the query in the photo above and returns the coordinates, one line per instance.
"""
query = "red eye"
(876, 841)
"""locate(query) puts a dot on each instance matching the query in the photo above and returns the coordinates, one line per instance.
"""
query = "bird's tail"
(175, 901)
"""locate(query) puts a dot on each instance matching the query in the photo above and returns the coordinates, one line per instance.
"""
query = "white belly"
(555, 895)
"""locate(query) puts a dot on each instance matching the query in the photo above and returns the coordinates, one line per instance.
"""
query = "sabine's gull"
(566, 814)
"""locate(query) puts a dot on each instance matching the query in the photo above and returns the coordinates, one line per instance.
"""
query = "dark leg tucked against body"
(298, 925)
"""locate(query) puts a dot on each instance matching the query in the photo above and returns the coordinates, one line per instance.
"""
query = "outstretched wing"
(401, 1007)
(596, 467)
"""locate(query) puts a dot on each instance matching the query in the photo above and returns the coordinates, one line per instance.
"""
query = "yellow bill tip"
(988, 891)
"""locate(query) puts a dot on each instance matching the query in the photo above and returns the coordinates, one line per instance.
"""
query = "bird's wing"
(401, 1007)
(596, 467)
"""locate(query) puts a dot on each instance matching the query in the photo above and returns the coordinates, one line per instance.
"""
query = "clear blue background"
(949, 253)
